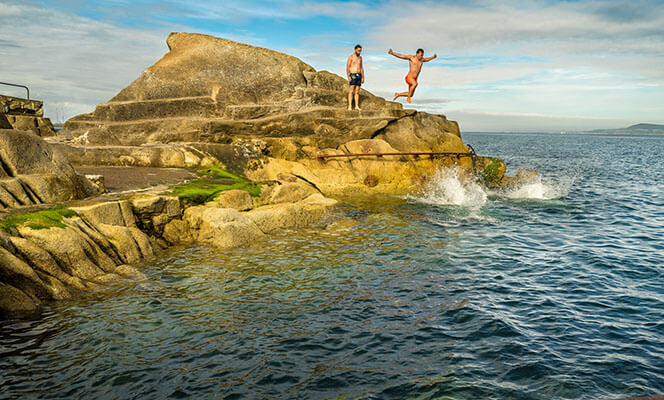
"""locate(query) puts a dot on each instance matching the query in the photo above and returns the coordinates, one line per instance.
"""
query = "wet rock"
(15, 300)
(178, 232)
(521, 178)
(237, 199)
(290, 192)
(306, 213)
(129, 272)
(154, 212)
(222, 227)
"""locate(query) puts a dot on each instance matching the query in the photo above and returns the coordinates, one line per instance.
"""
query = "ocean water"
(552, 292)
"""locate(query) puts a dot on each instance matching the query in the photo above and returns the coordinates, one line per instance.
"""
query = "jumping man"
(416, 62)
(355, 72)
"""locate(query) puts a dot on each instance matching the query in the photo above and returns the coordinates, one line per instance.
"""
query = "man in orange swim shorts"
(416, 62)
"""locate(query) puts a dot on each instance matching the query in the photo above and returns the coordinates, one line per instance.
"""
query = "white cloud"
(7, 10)
(597, 60)
(72, 62)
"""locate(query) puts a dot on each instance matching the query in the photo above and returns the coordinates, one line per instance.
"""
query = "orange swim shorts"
(410, 81)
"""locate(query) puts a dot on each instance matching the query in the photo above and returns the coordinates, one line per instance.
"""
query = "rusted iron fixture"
(471, 154)
(17, 85)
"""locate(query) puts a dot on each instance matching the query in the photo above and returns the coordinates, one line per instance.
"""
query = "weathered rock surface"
(263, 113)
(93, 248)
(227, 227)
(25, 115)
(207, 89)
(237, 199)
(31, 172)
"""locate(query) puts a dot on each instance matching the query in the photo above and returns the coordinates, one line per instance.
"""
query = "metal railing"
(17, 85)
(471, 154)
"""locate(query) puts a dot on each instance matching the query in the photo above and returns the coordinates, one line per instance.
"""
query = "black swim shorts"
(355, 79)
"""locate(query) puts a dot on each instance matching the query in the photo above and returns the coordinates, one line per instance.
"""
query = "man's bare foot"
(396, 96)
(358, 109)
(350, 108)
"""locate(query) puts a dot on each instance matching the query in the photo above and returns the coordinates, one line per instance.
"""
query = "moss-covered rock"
(211, 182)
(42, 219)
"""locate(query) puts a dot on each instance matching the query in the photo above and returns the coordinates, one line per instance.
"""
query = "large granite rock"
(207, 89)
(31, 172)
(266, 114)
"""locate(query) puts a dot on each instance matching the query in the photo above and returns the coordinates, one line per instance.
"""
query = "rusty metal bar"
(323, 156)
(16, 85)
(471, 153)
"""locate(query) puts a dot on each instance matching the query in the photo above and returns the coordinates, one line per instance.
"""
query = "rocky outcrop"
(207, 89)
(25, 115)
(31, 172)
(233, 219)
(88, 250)
(262, 113)
(94, 245)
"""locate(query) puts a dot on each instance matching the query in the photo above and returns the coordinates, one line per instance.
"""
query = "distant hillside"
(638, 129)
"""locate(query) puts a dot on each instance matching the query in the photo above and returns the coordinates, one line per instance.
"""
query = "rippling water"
(551, 293)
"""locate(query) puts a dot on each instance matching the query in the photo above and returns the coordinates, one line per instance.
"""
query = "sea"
(553, 291)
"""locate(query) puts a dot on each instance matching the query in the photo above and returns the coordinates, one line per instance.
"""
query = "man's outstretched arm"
(397, 55)
(430, 58)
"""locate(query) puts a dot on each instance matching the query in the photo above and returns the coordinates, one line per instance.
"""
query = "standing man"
(416, 62)
(355, 72)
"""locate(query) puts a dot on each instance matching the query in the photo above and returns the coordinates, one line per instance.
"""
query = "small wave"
(446, 187)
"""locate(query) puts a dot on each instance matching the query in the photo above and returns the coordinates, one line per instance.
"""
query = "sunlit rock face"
(207, 89)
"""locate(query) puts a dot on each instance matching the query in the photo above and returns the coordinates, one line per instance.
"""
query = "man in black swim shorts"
(355, 72)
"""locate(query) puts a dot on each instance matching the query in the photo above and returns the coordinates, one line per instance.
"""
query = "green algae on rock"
(42, 219)
(211, 182)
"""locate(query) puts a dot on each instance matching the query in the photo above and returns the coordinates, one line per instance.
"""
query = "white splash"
(540, 190)
(446, 188)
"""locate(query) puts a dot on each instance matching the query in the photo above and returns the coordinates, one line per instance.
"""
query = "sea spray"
(451, 188)
(537, 189)
(447, 187)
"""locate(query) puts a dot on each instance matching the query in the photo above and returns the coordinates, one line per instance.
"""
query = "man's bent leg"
(402, 94)
(411, 92)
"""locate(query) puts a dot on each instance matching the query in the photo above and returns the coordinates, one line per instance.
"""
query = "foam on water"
(541, 190)
(447, 188)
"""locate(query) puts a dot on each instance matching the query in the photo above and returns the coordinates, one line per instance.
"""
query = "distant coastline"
(634, 130)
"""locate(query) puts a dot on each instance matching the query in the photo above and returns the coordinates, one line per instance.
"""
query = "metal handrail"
(17, 85)
(471, 153)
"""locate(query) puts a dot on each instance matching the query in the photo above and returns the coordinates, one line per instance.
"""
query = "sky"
(529, 65)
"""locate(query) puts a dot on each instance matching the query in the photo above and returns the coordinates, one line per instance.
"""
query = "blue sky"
(532, 65)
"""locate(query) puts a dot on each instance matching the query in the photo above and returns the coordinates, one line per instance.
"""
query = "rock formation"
(225, 99)
(90, 246)
(23, 114)
(207, 89)
(31, 172)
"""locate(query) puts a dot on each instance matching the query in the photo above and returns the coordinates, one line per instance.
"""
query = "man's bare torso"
(415, 67)
(355, 64)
